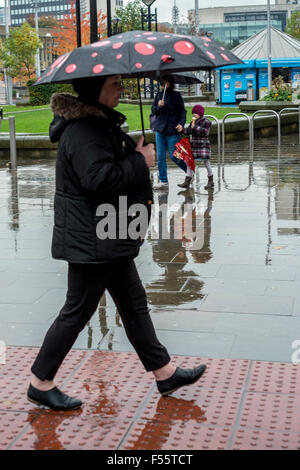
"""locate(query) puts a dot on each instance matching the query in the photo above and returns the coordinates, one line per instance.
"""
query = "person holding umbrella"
(170, 116)
(97, 164)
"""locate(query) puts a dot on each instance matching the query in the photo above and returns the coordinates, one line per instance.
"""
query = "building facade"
(232, 25)
(21, 9)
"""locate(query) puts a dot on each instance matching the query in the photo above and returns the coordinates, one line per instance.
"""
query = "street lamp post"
(35, 5)
(108, 18)
(7, 78)
(269, 49)
(149, 17)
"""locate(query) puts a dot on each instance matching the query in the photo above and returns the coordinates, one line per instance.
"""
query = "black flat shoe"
(54, 399)
(180, 378)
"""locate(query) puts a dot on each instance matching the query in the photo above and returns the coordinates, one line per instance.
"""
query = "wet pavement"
(230, 298)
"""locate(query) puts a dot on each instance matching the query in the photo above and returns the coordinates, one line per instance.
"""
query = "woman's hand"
(179, 128)
(161, 103)
(193, 122)
(148, 151)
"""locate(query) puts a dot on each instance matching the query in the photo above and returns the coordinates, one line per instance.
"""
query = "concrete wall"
(236, 129)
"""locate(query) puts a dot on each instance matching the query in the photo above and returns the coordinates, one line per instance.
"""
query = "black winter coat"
(169, 115)
(96, 164)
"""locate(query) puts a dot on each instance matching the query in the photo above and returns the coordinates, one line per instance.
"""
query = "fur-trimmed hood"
(67, 107)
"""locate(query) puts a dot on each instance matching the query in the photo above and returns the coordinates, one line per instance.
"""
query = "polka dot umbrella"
(139, 54)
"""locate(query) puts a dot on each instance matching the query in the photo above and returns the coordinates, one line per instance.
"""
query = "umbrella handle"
(141, 109)
(164, 93)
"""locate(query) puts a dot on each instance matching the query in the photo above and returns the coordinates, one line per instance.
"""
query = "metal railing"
(12, 139)
(295, 110)
(223, 132)
(264, 111)
(218, 131)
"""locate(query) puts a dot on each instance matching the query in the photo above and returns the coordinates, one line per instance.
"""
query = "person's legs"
(161, 150)
(129, 295)
(210, 183)
(86, 284)
(208, 167)
(172, 140)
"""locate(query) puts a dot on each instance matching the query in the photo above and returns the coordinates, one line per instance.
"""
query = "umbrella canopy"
(184, 78)
(139, 54)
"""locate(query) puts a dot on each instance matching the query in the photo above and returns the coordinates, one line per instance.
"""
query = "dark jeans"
(164, 142)
(86, 285)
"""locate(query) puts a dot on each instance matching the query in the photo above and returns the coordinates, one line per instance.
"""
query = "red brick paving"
(238, 404)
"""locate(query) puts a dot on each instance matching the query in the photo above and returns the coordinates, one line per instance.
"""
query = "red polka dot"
(210, 55)
(184, 47)
(205, 38)
(94, 54)
(118, 45)
(138, 35)
(225, 57)
(138, 66)
(148, 33)
(100, 43)
(152, 39)
(38, 80)
(206, 44)
(119, 56)
(120, 36)
(167, 58)
(58, 63)
(71, 68)
(49, 73)
(222, 48)
(98, 68)
(167, 36)
(144, 48)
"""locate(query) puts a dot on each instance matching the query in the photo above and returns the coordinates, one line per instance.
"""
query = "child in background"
(199, 129)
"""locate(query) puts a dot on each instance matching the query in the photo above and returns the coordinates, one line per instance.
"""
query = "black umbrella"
(184, 78)
(139, 54)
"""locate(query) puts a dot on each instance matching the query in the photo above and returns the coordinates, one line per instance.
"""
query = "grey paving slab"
(177, 342)
(256, 304)
(27, 313)
(263, 348)
(256, 272)
(21, 334)
(55, 297)
(216, 286)
(22, 295)
(249, 324)
(283, 288)
(48, 280)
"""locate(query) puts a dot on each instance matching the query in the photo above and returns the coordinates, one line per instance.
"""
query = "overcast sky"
(164, 7)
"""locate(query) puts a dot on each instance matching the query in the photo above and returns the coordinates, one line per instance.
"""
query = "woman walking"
(199, 129)
(96, 165)
(170, 116)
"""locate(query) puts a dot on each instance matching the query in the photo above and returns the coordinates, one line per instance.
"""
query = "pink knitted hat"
(198, 109)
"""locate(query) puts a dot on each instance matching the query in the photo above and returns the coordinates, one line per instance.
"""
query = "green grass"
(38, 121)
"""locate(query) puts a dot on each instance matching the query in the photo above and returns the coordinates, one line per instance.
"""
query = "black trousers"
(86, 285)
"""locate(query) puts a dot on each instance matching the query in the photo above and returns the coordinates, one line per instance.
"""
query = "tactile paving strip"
(11, 424)
(63, 432)
(15, 376)
(251, 439)
(235, 404)
(276, 412)
(223, 374)
(275, 377)
(153, 435)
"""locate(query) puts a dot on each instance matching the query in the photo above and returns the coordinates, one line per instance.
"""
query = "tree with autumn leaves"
(18, 51)
(64, 33)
